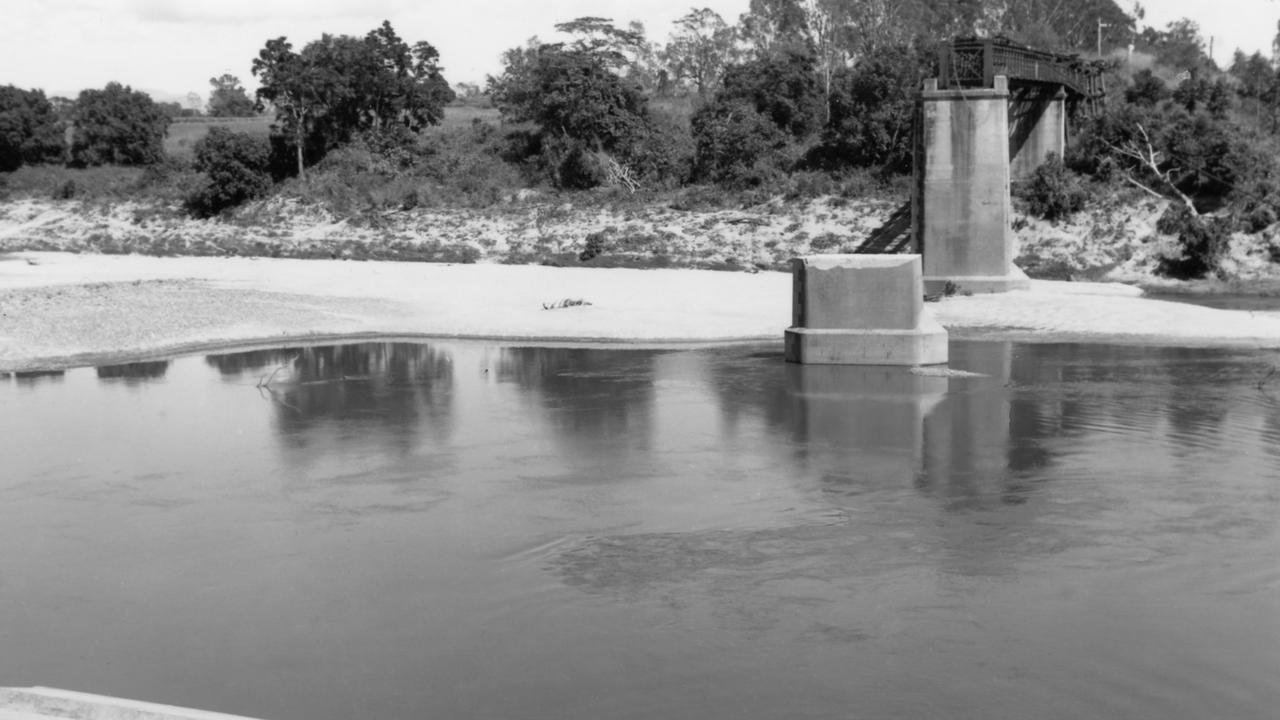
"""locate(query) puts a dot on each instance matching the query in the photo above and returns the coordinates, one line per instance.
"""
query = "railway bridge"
(996, 110)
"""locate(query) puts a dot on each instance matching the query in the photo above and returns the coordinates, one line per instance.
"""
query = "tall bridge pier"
(961, 202)
(995, 113)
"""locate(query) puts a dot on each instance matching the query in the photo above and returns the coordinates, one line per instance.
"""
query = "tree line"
(793, 86)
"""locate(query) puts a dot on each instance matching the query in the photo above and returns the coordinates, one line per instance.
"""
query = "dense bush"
(465, 165)
(782, 87)
(1198, 93)
(1203, 242)
(577, 167)
(661, 153)
(1146, 90)
(736, 145)
(1053, 191)
(29, 129)
(583, 118)
(1202, 156)
(580, 107)
(236, 167)
(872, 109)
(117, 125)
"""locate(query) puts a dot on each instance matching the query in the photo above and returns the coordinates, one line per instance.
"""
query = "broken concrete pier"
(861, 310)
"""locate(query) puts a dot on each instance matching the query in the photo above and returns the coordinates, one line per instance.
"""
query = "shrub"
(236, 167)
(595, 246)
(1053, 192)
(1203, 242)
(579, 169)
(65, 191)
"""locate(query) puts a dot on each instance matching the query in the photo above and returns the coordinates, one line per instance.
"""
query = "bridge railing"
(975, 63)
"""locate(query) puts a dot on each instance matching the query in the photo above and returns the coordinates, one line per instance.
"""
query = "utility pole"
(1100, 26)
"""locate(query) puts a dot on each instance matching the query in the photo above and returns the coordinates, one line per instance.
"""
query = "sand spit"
(61, 310)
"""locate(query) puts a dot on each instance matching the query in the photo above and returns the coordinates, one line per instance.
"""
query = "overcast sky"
(172, 47)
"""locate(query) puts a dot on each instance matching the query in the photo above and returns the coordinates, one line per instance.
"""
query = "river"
(479, 530)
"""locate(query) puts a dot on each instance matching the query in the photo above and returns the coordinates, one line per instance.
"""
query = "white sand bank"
(59, 309)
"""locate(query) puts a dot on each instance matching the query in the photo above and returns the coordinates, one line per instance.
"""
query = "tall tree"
(228, 98)
(699, 49)
(1257, 79)
(775, 26)
(617, 48)
(1063, 24)
(569, 93)
(1179, 45)
(340, 85)
(293, 85)
(592, 125)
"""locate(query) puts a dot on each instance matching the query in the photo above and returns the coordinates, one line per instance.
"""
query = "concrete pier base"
(1015, 279)
(861, 310)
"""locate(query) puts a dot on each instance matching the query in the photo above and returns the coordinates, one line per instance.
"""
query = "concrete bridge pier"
(861, 310)
(961, 213)
(1037, 127)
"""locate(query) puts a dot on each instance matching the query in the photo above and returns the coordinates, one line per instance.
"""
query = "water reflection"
(866, 420)
(235, 365)
(588, 396)
(385, 536)
(134, 373)
(35, 377)
(969, 441)
(395, 390)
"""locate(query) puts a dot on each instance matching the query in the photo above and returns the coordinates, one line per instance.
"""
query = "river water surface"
(462, 530)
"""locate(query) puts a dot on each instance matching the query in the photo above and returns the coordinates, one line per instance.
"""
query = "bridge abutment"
(962, 206)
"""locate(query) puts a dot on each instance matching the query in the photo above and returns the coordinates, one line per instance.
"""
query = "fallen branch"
(620, 174)
(265, 380)
(565, 303)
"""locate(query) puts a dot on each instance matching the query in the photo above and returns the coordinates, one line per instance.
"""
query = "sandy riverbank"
(61, 310)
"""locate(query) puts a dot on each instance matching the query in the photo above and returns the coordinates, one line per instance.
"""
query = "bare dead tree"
(1151, 159)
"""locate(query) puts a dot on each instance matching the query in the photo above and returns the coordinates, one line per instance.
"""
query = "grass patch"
(180, 141)
(167, 182)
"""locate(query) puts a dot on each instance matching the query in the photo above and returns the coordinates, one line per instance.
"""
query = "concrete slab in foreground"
(861, 310)
(41, 703)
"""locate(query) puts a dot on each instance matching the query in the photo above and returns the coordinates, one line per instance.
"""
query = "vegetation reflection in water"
(462, 528)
